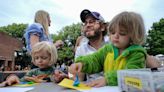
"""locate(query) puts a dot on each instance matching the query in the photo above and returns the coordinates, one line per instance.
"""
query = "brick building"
(8, 45)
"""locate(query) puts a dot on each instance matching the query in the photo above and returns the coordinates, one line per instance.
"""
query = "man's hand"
(59, 44)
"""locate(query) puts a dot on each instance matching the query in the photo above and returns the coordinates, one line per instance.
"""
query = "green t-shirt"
(38, 71)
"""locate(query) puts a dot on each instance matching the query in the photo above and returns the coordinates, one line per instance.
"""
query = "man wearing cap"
(95, 31)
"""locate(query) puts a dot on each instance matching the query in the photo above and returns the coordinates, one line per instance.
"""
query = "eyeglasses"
(91, 22)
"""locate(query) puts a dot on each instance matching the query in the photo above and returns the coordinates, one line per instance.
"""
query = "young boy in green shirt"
(126, 32)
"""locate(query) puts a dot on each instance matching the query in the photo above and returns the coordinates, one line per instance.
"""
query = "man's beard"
(96, 35)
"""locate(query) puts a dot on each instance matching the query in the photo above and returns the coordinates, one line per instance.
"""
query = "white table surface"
(52, 87)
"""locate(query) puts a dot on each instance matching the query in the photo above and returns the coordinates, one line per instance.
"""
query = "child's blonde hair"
(45, 46)
(133, 23)
(41, 17)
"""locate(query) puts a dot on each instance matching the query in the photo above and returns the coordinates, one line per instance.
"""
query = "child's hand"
(58, 76)
(37, 79)
(42, 76)
(75, 68)
(97, 83)
(12, 79)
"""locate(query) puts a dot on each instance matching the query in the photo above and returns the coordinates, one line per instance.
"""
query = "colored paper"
(25, 84)
(69, 84)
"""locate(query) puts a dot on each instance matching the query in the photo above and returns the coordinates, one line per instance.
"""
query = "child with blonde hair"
(39, 31)
(44, 55)
(127, 33)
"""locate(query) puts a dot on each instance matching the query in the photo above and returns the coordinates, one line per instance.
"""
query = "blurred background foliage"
(68, 34)
(155, 38)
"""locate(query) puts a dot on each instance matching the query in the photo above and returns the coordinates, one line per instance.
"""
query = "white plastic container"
(141, 80)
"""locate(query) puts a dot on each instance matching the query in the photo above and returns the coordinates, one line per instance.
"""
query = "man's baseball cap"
(86, 12)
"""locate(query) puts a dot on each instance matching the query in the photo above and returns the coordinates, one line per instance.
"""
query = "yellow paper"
(69, 84)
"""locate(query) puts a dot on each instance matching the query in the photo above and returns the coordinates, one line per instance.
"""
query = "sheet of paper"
(25, 84)
(104, 89)
(69, 84)
(15, 89)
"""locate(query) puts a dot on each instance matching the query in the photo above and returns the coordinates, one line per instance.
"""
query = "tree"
(15, 30)
(69, 35)
(155, 38)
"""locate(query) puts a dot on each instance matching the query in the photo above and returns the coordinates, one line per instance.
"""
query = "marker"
(76, 81)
